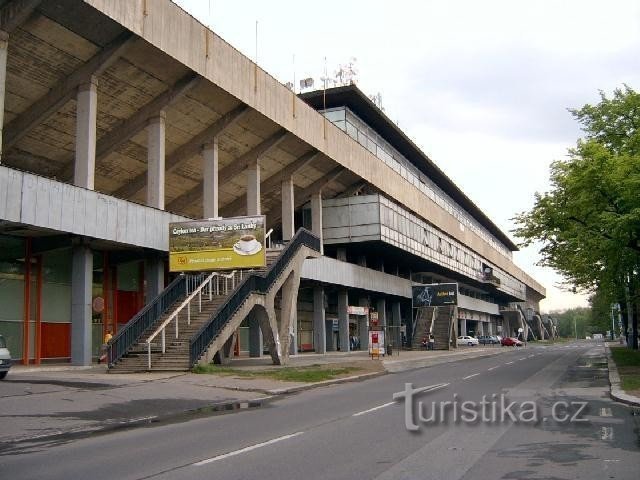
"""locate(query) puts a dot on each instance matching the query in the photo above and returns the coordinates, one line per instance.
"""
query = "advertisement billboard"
(435, 295)
(220, 244)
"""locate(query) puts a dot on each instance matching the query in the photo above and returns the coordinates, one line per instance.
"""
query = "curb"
(85, 431)
(324, 383)
(614, 381)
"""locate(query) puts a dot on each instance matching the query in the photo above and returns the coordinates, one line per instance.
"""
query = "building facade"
(112, 129)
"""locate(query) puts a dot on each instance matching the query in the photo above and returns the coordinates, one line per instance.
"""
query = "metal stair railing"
(194, 291)
(131, 332)
(253, 283)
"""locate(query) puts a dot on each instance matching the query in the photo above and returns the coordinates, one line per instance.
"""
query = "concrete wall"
(41, 202)
(351, 219)
(207, 54)
(470, 303)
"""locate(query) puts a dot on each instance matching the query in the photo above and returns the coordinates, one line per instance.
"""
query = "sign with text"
(376, 342)
(355, 310)
(435, 295)
(220, 244)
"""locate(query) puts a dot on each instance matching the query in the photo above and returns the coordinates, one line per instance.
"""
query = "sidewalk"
(49, 401)
(614, 380)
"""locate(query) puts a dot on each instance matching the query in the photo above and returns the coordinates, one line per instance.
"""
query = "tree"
(589, 222)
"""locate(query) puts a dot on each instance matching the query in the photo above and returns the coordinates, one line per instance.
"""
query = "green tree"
(589, 222)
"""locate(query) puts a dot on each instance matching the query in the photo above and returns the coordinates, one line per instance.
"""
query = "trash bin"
(389, 349)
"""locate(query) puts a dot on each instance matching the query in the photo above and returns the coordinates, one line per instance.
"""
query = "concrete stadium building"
(120, 117)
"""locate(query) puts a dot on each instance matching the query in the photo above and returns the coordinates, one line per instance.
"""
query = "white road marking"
(373, 409)
(531, 356)
(605, 412)
(523, 358)
(606, 433)
(508, 363)
(470, 376)
(246, 449)
(492, 368)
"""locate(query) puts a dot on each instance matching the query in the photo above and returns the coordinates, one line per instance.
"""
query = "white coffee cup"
(247, 243)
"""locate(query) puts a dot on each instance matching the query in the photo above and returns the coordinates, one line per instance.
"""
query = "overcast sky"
(481, 87)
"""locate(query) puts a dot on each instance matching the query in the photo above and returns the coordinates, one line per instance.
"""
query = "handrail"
(253, 283)
(267, 238)
(186, 303)
(131, 332)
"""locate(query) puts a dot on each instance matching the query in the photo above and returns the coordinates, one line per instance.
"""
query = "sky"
(483, 88)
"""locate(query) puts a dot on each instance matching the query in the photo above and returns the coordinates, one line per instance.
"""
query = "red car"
(511, 342)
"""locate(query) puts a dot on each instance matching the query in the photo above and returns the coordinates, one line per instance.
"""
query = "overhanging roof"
(352, 97)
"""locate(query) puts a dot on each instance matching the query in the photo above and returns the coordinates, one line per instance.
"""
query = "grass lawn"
(310, 374)
(628, 363)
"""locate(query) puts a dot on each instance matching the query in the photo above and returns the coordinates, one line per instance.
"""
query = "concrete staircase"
(176, 355)
(440, 331)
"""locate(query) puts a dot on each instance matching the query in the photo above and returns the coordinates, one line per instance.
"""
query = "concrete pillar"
(316, 217)
(154, 277)
(343, 320)
(253, 189)
(255, 337)
(155, 161)
(363, 325)
(319, 326)
(210, 180)
(463, 327)
(86, 112)
(396, 320)
(381, 307)
(329, 336)
(81, 289)
(490, 328)
(341, 254)
(288, 227)
(4, 43)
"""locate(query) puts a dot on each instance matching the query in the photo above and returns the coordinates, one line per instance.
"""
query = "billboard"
(435, 295)
(220, 244)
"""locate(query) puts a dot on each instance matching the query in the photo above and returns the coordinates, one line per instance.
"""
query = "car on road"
(488, 340)
(467, 340)
(511, 342)
(5, 358)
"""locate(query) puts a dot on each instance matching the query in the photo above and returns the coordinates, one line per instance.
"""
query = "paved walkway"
(37, 402)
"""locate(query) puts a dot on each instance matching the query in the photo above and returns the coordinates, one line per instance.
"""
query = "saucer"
(253, 251)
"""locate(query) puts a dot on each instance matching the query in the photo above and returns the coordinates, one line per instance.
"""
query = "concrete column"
(343, 320)
(253, 189)
(154, 277)
(363, 325)
(381, 307)
(316, 217)
(319, 326)
(329, 335)
(81, 286)
(255, 337)
(463, 328)
(4, 43)
(86, 112)
(288, 227)
(210, 180)
(396, 320)
(490, 328)
(155, 161)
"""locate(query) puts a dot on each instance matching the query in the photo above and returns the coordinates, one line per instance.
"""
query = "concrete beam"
(155, 161)
(211, 185)
(16, 13)
(186, 151)
(287, 198)
(85, 150)
(234, 168)
(273, 182)
(3, 80)
(60, 94)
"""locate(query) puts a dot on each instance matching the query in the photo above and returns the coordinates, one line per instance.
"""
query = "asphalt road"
(357, 430)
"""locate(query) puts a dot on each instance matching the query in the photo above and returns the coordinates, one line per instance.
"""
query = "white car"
(467, 340)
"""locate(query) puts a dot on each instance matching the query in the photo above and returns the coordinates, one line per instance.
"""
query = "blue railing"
(254, 283)
(128, 335)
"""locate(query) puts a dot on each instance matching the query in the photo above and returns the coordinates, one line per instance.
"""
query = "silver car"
(5, 358)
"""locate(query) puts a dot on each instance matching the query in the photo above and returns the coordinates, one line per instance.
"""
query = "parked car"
(488, 339)
(5, 358)
(467, 340)
(511, 342)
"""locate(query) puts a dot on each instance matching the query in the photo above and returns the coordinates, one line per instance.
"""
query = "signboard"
(435, 295)
(221, 244)
(376, 342)
(353, 310)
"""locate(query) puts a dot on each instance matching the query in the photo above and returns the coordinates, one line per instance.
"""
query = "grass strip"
(309, 374)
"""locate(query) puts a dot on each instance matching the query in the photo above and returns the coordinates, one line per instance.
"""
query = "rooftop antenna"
(255, 70)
